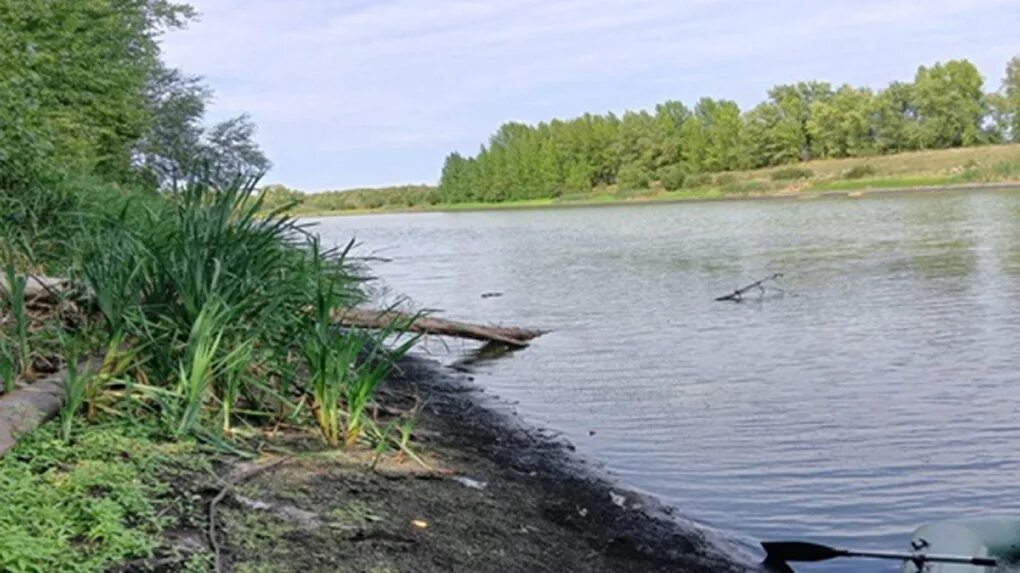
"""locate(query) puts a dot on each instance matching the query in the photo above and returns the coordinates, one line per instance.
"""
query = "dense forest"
(945, 106)
(84, 94)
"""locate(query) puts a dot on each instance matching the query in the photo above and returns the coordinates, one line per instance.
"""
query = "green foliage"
(672, 177)
(949, 102)
(72, 84)
(17, 355)
(746, 187)
(724, 179)
(404, 197)
(344, 368)
(696, 180)
(943, 107)
(791, 173)
(203, 300)
(633, 176)
(859, 172)
(84, 505)
(76, 384)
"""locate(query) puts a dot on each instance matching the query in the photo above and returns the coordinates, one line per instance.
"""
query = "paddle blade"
(799, 551)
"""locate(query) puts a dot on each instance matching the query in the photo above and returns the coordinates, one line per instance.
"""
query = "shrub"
(791, 173)
(695, 180)
(633, 176)
(747, 187)
(724, 179)
(672, 177)
(859, 172)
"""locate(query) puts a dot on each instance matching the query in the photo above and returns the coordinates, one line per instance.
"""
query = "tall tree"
(950, 104)
(1011, 93)
(169, 152)
(74, 75)
(841, 126)
(794, 102)
(231, 152)
(895, 119)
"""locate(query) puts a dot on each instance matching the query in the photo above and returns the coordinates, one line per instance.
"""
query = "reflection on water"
(881, 392)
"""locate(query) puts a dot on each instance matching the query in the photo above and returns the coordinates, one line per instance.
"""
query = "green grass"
(82, 506)
(889, 183)
(200, 304)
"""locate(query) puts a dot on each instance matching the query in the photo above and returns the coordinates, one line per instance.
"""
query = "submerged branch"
(738, 295)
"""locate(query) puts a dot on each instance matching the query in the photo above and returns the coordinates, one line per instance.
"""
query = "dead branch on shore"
(738, 295)
(368, 318)
(240, 474)
(37, 288)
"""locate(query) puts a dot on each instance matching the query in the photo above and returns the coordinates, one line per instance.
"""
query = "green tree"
(950, 104)
(712, 136)
(771, 138)
(1011, 99)
(794, 102)
(230, 152)
(895, 119)
(841, 126)
(72, 77)
(169, 152)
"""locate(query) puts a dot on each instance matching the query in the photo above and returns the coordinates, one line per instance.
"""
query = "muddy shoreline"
(494, 496)
(625, 531)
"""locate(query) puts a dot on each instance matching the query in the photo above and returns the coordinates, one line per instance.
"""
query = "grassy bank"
(922, 169)
(209, 322)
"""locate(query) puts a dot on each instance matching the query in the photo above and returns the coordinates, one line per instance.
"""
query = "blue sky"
(369, 93)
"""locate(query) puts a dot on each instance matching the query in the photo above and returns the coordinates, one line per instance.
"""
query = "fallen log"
(49, 288)
(28, 407)
(738, 294)
(369, 318)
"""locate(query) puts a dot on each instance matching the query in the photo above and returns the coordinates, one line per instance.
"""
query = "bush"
(633, 176)
(672, 177)
(747, 187)
(859, 172)
(791, 173)
(724, 179)
(695, 180)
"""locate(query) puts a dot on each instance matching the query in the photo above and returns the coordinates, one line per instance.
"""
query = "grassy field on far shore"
(914, 170)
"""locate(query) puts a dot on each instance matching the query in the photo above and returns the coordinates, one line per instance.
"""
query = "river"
(878, 391)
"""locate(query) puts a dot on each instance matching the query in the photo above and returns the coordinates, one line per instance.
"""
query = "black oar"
(783, 551)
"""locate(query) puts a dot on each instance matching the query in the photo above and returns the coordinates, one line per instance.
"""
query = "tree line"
(945, 106)
(84, 92)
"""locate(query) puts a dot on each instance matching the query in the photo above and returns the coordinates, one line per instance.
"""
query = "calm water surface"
(880, 392)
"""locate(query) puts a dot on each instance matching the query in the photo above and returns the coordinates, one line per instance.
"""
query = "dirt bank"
(498, 498)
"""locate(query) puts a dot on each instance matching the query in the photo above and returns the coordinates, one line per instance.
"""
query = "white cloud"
(334, 78)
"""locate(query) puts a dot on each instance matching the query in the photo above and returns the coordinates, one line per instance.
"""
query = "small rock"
(618, 500)
(582, 511)
(468, 482)
(491, 294)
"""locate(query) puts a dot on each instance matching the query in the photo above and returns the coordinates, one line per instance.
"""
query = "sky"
(377, 92)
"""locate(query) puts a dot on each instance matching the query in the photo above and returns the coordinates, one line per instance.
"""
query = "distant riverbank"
(610, 199)
(984, 167)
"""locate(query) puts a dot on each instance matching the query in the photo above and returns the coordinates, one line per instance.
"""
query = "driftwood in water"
(738, 295)
(367, 318)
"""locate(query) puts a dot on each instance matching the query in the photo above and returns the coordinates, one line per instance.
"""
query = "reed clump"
(211, 314)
